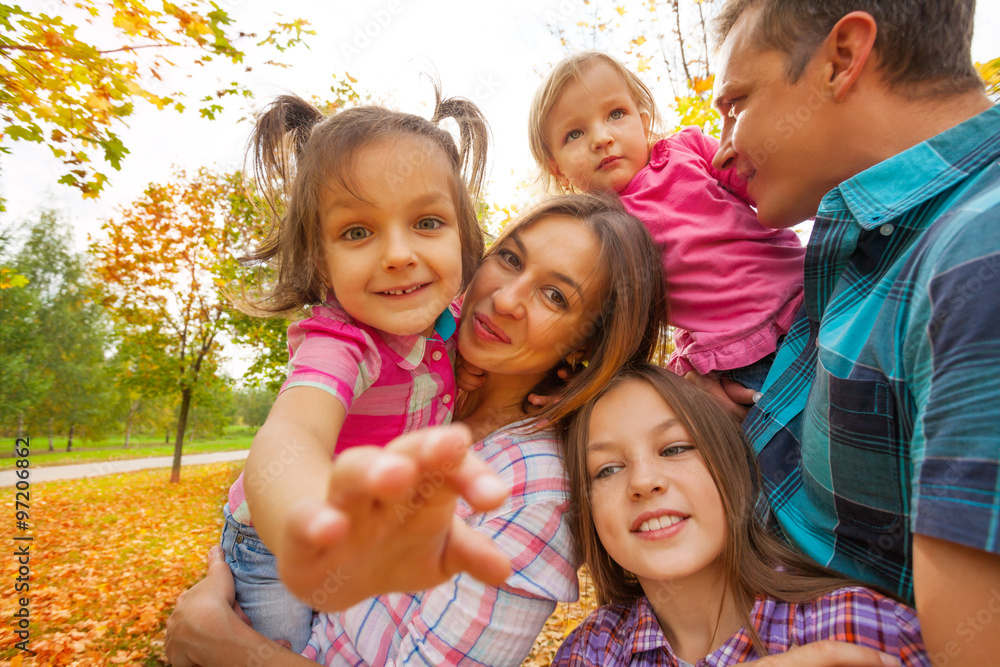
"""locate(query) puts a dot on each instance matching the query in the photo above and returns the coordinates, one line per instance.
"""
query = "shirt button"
(446, 398)
(436, 355)
(886, 230)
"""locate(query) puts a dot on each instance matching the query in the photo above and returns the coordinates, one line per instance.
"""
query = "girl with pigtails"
(373, 236)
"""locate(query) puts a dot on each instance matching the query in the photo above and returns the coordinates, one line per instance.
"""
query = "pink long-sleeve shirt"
(733, 286)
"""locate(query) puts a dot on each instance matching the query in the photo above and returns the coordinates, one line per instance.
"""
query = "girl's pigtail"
(274, 150)
(474, 134)
(278, 139)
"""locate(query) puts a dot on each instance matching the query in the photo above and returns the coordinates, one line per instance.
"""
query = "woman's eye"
(573, 134)
(509, 258)
(427, 224)
(556, 297)
(356, 234)
(616, 114)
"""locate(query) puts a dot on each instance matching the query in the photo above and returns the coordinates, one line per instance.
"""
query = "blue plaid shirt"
(881, 414)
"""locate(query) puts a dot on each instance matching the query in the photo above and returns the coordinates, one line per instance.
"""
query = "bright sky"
(494, 53)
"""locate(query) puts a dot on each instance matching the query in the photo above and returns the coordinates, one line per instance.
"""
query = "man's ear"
(847, 50)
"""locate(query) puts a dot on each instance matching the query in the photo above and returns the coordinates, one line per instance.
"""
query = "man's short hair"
(923, 47)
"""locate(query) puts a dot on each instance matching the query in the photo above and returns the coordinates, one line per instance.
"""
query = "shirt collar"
(643, 630)
(410, 349)
(406, 351)
(910, 178)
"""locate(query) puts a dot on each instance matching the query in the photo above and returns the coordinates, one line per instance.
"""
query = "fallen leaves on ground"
(109, 557)
(111, 554)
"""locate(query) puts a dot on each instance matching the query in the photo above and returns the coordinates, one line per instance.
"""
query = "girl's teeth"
(661, 522)
(402, 291)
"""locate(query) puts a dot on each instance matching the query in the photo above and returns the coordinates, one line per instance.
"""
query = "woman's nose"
(508, 300)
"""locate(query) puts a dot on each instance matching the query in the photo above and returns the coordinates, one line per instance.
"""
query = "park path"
(98, 468)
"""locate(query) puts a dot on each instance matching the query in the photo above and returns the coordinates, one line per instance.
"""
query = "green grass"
(236, 437)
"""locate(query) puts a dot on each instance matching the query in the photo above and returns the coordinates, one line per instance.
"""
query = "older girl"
(663, 487)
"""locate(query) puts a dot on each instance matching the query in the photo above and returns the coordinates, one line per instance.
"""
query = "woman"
(575, 282)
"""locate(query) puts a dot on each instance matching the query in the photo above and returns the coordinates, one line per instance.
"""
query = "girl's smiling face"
(654, 503)
(533, 299)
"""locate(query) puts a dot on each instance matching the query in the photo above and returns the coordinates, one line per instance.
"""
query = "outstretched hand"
(390, 522)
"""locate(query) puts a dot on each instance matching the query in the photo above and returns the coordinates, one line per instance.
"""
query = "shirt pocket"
(851, 452)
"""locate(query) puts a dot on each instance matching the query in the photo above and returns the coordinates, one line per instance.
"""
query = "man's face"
(782, 137)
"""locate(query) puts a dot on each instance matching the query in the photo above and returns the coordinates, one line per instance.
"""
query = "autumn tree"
(63, 89)
(167, 261)
(54, 336)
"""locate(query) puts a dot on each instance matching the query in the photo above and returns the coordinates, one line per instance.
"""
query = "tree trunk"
(52, 437)
(128, 421)
(175, 473)
(20, 425)
(69, 442)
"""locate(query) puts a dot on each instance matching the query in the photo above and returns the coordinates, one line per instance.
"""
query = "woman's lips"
(487, 330)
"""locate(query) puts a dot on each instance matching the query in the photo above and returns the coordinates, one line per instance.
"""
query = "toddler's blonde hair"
(572, 68)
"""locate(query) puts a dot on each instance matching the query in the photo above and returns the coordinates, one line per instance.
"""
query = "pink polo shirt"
(733, 286)
(389, 385)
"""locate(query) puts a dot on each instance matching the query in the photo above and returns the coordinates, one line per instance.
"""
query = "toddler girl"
(374, 233)
(663, 489)
(733, 286)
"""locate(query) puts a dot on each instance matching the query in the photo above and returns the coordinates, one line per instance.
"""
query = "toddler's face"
(393, 255)
(654, 503)
(595, 133)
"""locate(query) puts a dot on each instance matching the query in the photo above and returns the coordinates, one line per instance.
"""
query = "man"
(878, 433)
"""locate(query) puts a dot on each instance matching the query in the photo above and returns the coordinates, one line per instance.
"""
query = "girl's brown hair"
(754, 560)
(572, 68)
(297, 151)
(628, 326)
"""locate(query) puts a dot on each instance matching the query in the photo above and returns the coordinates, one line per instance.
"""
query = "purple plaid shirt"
(630, 635)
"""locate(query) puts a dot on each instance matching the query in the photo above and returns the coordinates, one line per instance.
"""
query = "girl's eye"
(556, 297)
(573, 134)
(356, 234)
(607, 471)
(428, 224)
(616, 114)
(674, 450)
(509, 258)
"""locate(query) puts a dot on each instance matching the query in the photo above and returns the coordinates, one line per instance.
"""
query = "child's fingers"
(479, 485)
(362, 476)
(312, 525)
(475, 553)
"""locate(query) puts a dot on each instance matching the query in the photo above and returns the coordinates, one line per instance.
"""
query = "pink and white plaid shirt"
(389, 385)
(463, 621)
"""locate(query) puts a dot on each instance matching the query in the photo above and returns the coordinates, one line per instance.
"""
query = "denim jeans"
(274, 611)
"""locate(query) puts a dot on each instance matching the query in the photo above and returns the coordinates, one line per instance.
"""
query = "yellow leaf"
(643, 64)
(620, 10)
(639, 41)
(700, 85)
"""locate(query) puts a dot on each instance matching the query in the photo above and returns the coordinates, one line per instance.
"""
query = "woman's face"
(533, 300)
